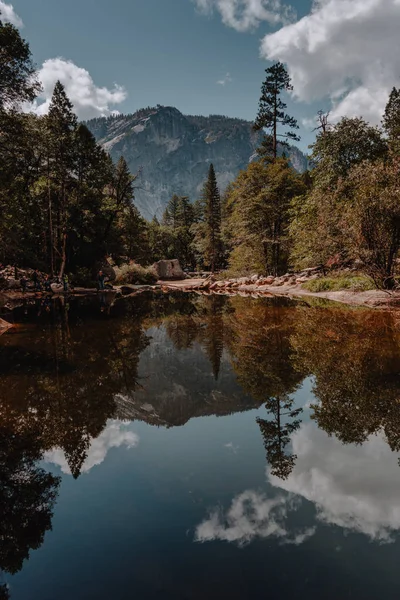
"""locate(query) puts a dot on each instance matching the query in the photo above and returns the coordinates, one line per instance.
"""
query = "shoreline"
(369, 299)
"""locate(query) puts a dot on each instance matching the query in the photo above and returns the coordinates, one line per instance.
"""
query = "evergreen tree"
(208, 231)
(170, 216)
(271, 112)
(121, 194)
(391, 120)
(61, 123)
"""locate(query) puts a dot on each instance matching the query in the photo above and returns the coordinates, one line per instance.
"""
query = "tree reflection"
(213, 333)
(262, 357)
(276, 434)
(27, 498)
(79, 371)
(354, 356)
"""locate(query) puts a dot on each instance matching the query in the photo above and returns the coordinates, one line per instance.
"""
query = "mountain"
(172, 152)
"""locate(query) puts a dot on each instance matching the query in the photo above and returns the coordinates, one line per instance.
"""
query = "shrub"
(355, 283)
(134, 274)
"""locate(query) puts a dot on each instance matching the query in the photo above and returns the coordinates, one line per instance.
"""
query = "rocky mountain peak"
(173, 151)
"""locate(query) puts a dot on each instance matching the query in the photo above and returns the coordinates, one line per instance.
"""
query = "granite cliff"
(172, 151)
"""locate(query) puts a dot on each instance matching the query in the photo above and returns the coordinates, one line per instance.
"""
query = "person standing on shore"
(23, 283)
(47, 284)
(100, 280)
(36, 281)
(65, 282)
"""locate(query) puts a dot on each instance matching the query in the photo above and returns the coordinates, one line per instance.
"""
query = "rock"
(169, 270)
(254, 278)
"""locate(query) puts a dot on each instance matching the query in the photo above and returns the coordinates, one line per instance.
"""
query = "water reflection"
(71, 374)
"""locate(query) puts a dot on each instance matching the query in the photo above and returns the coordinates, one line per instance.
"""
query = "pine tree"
(391, 120)
(208, 233)
(170, 216)
(271, 112)
(61, 123)
(122, 193)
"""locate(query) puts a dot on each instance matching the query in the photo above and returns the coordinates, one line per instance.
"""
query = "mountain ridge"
(172, 151)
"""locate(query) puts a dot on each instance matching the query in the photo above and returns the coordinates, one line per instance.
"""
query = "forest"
(67, 208)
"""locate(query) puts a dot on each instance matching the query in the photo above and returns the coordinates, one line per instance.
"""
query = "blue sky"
(173, 52)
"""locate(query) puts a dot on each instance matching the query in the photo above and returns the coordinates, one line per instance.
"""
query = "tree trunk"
(63, 255)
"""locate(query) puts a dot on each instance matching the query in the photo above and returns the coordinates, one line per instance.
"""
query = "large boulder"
(169, 270)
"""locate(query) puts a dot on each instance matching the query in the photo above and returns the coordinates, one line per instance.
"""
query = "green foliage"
(343, 146)
(371, 220)
(134, 274)
(176, 233)
(391, 120)
(271, 112)
(207, 231)
(355, 283)
(17, 81)
(317, 227)
(258, 203)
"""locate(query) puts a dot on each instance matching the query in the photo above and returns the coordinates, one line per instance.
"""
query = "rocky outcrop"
(168, 270)
(172, 152)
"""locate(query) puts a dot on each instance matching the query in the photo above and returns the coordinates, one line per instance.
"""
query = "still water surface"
(199, 447)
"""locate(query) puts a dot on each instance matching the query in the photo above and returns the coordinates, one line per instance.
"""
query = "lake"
(190, 447)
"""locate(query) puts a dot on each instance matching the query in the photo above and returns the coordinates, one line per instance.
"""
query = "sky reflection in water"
(166, 438)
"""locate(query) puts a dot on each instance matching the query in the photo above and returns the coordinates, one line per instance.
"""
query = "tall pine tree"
(272, 112)
(208, 231)
(391, 120)
(61, 124)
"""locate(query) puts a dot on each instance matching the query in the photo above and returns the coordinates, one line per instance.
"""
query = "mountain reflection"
(166, 359)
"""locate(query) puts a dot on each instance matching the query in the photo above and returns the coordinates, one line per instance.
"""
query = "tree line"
(65, 206)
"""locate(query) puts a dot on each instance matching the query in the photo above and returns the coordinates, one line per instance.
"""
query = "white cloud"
(8, 14)
(89, 100)
(354, 487)
(245, 15)
(114, 435)
(345, 50)
(251, 515)
(226, 79)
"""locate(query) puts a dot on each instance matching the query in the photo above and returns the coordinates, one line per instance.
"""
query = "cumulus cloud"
(251, 515)
(89, 100)
(226, 79)
(345, 50)
(354, 487)
(8, 14)
(115, 435)
(245, 15)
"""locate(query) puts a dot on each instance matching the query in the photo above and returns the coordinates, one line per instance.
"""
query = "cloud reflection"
(252, 515)
(115, 435)
(354, 487)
